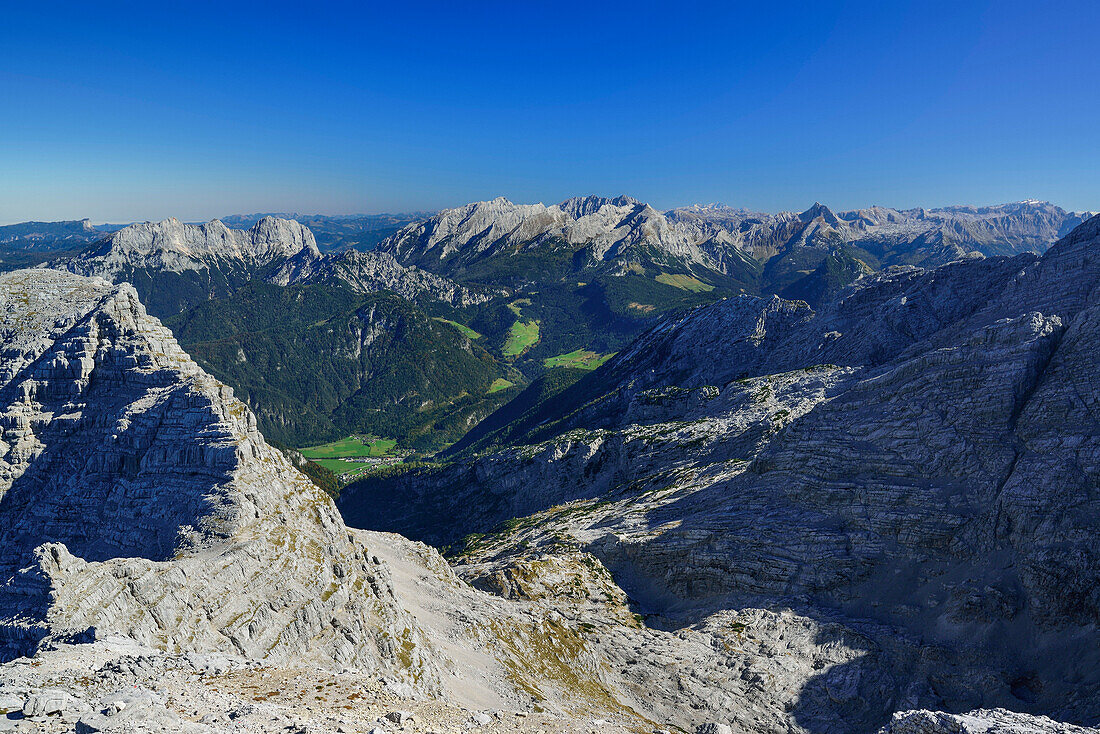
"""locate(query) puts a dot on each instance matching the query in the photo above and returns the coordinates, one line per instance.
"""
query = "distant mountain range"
(597, 271)
(532, 289)
(623, 235)
(28, 244)
(175, 265)
(342, 232)
(47, 235)
(311, 341)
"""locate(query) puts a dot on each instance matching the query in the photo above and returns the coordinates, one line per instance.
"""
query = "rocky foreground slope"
(916, 463)
(166, 570)
(137, 498)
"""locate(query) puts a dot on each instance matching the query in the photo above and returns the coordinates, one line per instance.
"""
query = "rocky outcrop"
(982, 721)
(175, 266)
(137, 498)
(173, 246)
(917, 461)
(371, 272)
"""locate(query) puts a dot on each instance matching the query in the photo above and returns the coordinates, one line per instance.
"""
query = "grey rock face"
(173, 246)
(175, 266)
(371, 272)
(137, 498)
(713, 729)
(982, 721)
(723, 239)
(918, 462)
(45, 703)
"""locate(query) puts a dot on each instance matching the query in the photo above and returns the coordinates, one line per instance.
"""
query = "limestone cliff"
(917, 461)
(137, 498)
(174, 265)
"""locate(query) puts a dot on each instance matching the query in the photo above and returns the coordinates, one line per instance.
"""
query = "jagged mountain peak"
(581, 206)
(819, 210)
(619, 231)
(174, 245)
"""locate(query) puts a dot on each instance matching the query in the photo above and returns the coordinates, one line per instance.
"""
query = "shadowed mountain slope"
(918, 458)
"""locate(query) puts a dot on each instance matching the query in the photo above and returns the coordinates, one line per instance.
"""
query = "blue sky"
(124, 111)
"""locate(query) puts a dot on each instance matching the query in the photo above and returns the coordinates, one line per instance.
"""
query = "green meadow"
(579, 359)
(466, 330)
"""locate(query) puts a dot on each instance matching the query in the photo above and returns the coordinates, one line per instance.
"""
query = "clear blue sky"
(142, 110)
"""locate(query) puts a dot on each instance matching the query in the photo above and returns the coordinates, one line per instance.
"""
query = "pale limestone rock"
(981, 721)
(174, 246)
(917, 463)
(371, 272)
(137, 498)
(615, 231)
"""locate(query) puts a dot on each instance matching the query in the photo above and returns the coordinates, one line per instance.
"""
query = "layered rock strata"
(917, 462)
(137, 498)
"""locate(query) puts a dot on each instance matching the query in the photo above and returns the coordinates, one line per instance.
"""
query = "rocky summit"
(619, 231)
(137, 498)
(174, 246)
(174, 265)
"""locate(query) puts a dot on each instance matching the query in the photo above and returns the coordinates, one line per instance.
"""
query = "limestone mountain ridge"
(915, 458)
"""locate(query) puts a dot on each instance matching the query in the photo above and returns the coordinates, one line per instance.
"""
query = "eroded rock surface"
(137, 498)
(172, 245)
(916, 463)
(840, 516)
(620, 230)
(371, 272)
(981, 721)
(174, 265)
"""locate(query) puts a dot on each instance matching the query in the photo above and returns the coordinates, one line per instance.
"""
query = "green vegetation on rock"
(580, 358)
(466, 330)
(318, 362)
(684, 282)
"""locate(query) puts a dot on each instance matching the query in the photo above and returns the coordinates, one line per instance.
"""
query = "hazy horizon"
(138, 113)
(95, 221)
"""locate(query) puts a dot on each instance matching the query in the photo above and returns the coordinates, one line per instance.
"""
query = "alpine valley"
(586, 467)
